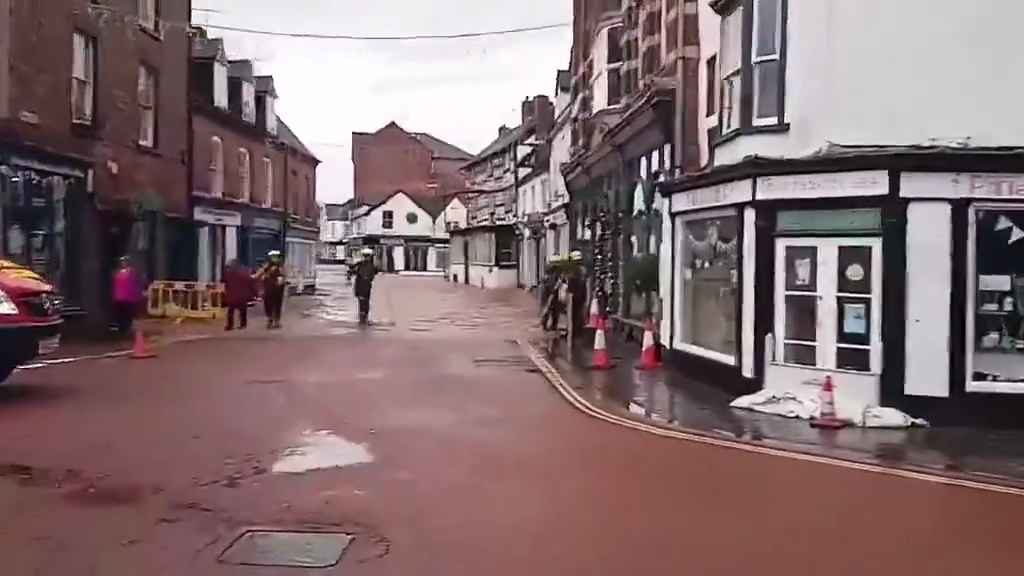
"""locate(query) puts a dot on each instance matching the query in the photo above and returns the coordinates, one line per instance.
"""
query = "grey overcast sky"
(458, 90)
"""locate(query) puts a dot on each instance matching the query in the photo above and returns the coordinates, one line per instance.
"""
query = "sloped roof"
(501, 142)
(432, 206)
(442, 149)
(286, 135)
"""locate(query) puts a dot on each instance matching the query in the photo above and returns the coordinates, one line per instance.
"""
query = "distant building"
(335, 231)
(486, 252)
(406, 234)
(419, 164)
(253, 181)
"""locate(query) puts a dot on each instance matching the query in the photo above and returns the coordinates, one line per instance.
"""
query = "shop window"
(709, 286)
(996, 339)
(505, 248)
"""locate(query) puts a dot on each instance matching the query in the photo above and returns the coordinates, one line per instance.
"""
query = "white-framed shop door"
(828, 317)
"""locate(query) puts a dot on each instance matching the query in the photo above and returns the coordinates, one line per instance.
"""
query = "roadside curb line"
(574, 398)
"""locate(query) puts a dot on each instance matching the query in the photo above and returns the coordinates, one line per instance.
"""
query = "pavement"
(433, 440)
(672, 400)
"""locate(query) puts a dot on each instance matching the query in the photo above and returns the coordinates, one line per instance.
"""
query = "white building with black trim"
(861, 209)
(407, 234)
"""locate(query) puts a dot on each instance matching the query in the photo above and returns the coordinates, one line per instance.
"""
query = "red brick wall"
(387, 161)
(40, 84)
(302, 189)
(208, 125)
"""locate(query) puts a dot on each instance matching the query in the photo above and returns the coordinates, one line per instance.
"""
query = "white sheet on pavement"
(807, 406)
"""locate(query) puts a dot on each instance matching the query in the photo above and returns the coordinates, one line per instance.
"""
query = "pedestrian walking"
(273, 278)
(554, 300)
(365, 273)
(127, 295)
(239, 289)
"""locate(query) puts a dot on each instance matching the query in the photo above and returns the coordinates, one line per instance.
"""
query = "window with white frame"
(220, 85)
(83, 77)
(767, 69)
(148, 14)
(268, 176)
(615, 65)
(249, 102)
(147, 106)
(244, 175)
(752, 65)
(732, 70)
(995, 307)
(216, 167)
(387, 219)
(708, 291)
(271, 116)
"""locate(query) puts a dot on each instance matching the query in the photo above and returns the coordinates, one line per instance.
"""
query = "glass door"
(827, 304)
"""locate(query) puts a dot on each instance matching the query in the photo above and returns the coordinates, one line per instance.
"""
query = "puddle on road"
(321, 450)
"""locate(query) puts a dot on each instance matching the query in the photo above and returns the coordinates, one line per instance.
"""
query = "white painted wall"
(929, 273)
(454, 212)
(561, 144)
(401, 205)
(710, 35)
(891, 73)
(490, 277)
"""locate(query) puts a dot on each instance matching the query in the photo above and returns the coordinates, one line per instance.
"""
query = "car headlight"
(7, 306)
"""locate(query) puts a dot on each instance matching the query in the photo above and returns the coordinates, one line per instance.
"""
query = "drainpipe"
(190, 156)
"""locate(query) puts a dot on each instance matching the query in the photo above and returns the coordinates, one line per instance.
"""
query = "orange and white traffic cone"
(595, 313)
(828, 418)
(139, 350)
(649, 352)
(600, 359)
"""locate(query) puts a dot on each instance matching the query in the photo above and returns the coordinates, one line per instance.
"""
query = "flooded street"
(426, 443)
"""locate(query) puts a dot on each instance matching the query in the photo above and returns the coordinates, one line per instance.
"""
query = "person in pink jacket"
(127, 295)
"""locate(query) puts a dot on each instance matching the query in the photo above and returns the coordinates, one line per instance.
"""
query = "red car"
(30, 317)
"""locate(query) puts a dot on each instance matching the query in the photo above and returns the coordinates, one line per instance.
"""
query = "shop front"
(907, 288)
(261, 232)
(42, 215)
(217, 235)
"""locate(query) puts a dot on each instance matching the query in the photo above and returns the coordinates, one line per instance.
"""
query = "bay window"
(752, 65)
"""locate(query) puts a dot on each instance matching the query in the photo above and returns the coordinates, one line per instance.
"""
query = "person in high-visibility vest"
(272, 276)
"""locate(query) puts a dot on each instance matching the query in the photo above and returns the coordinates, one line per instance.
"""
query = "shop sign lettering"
(214, 216)
(869, 183)
(719, 195)
(996, 186)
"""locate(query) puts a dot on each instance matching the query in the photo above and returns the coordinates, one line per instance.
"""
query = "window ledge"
(148, 150)
(154, 33)
(751, 131)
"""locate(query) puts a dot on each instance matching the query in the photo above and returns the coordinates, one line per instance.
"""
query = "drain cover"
(288, 549)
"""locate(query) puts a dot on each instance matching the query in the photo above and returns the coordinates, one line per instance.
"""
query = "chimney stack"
(544, 112)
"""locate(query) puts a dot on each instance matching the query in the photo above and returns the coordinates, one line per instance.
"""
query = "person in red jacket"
(239, 289)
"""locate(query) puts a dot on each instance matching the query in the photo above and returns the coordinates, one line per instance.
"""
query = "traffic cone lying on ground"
(600, 359)
(139, 350)
(595, 313)
(649, 354)
(827, 417)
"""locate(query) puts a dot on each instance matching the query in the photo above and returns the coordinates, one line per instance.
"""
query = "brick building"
(93, 142)
(419, 164)
(253, 180)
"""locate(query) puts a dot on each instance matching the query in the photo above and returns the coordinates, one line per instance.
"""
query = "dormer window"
(249, 102)
(220, 85)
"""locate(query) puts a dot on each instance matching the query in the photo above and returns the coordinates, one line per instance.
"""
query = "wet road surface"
(433, 441)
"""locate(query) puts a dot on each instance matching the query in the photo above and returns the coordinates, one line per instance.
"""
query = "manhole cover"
(288, 549)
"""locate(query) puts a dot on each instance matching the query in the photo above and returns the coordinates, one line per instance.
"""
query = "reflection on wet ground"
(667, 398)
(419, 305)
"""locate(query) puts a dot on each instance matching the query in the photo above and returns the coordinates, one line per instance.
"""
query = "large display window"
(708, 248)
(995, 318)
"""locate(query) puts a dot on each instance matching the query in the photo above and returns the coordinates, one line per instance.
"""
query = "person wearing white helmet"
(273, 278)
(365, 273)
